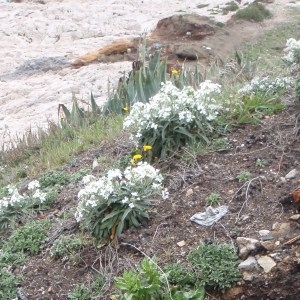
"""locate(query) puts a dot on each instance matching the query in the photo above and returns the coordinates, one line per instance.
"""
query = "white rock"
(263, 232)
(246, 246)
(248, 265)
(292, 174)
(247, 276)
(267, 263)
(189, 192)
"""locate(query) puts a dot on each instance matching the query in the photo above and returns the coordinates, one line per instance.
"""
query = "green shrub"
(119, 200)
(254, 12)
(14, 206)
(28, 238)
(181, 276)
(230, 6)
(54, 178)
(175, 118)
(8, 283)
(147, 283)
(215, 265)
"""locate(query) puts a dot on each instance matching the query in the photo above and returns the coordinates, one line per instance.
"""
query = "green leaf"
(95, 107)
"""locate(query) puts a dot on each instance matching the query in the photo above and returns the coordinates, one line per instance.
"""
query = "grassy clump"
(51, 148)
(230, 6)
(254, 12)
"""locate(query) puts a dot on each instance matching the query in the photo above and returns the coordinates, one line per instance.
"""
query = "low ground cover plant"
(28, 238)
(210, 266)
(13, 205)
(215, 265)
(67, 247)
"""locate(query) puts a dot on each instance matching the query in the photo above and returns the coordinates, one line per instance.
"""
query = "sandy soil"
(38, 41)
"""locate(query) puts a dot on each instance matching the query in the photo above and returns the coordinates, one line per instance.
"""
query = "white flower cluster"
(171, 103)
(13, 197)
(291, 47)
(38, 194)
(132, 187)
(266, 85)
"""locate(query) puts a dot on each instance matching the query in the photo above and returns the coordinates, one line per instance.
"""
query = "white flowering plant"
(173, 117)
(267, 86)
(119, 200)
(292, 51)
(13, 204)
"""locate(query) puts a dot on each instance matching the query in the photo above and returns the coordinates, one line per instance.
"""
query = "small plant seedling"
(260, 163)
(244, 176)
(98, 284)
(80, 292)
(213, 199)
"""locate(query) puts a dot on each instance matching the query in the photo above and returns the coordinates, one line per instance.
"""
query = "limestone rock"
(249, 264)
(267, 263)
(292, 174)
(263, 232)
(247, 246)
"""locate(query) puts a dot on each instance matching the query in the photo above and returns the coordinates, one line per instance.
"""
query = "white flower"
(165, 194)
(114, 173)
(40, 195)
(135, 184)
(88, 178)
(169, 103)
(291, 47)
(125, 200)
(16, 197)
(10, 188)
(35, 184)
(266, 85)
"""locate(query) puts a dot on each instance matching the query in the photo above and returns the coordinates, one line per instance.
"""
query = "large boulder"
(188, 26)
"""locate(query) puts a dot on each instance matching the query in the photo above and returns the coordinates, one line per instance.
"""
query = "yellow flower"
(175, 72)
(132, 162)
(125, 108)
(136, 157)
(147, 147)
